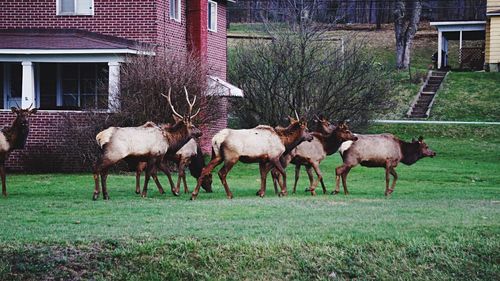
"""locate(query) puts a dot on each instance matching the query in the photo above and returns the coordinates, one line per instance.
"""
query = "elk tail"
(104, 137)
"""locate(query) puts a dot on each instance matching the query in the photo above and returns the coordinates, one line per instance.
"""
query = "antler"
(170, 103)
(191, 104)
(296, 114)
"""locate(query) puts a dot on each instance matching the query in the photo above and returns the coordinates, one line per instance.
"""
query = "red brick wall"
(129, 19)
(217, 51)
(170, 34)
(47, 145)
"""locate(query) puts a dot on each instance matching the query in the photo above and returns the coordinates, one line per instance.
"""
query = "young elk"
(147, 143)
(312, 153)
(191, 156)
(263, 144)
(14, 137)
(384, 150)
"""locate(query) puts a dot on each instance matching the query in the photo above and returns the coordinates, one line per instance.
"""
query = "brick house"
(53, 52)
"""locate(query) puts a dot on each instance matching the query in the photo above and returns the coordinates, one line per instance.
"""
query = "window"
(212, 16)
(75, 7)
(83, 85)
(175, 10)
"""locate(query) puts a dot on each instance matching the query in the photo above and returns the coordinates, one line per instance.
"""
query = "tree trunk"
(406, 19)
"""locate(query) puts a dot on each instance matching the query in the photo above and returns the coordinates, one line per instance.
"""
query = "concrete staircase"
(422, 104)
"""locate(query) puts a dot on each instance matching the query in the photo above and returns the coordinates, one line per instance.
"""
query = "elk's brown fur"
(262, 144)
(312, 153)
(383, 150)
(14, 137)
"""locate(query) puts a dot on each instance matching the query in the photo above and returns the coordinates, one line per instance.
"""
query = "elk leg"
(395, 178)
(297, 175)
(149, 170)
(166, 171)
(181, 176)
(341, 171)
(100, 170)
(204, 172)
(310, 176)
(280, 169)
(138, 181)
(275, 175)
(315, 166)
(223, 174)
(154, 175)
(344, 180)
(186, 164)
(2, 175)
(263, 168)
(104, 177)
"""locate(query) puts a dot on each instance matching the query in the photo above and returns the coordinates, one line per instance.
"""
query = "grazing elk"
(14, 137)
(383, 150)
(147, 143)
(263, 144)
(310, 154)
(191, 156)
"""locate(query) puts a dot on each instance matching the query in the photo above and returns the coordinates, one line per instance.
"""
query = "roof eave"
(73, 51)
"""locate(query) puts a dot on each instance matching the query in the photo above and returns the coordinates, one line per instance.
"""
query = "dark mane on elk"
(14, 137)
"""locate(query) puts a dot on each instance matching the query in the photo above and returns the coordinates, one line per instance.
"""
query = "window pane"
(84, 7)
(16, 80)
(67, 6)
(174, 9)
(48, 85)
(69, 84)
(1, 84)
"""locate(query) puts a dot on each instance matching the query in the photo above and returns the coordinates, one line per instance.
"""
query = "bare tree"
(303, 68)
(406, 19)
(143, 80)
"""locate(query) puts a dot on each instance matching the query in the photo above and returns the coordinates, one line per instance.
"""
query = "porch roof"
(65, 41)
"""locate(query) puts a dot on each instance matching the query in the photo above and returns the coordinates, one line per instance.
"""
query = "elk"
(263, 144)
(191, 156)
(147, 143)
(14, 137)
(382, 150)
(310, 154)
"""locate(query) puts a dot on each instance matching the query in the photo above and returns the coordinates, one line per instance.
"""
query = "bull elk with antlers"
(14, 137)
(147, 143)
(263, 144)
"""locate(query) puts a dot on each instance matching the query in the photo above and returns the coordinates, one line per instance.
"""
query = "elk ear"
(420, 139)
(413, 140)
(14, 109)
(292, 120)
(33, 111)
(176, 119)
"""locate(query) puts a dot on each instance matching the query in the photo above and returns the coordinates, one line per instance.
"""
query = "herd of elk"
(14, 137)
(149, 147)
(147, 143)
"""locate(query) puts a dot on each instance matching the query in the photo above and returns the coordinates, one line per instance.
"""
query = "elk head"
(342, 132)
(22, 115)
(323, 126)
(301, 123)
(423, 148)
(186, 120)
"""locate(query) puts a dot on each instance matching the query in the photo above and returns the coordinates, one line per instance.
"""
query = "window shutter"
(84, 7)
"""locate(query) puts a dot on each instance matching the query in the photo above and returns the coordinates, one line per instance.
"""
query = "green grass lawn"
(442, 222)
(468, 96)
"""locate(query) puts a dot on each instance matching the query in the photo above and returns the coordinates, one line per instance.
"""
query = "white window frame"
(177, 16)
(210, 19)
(75, 12)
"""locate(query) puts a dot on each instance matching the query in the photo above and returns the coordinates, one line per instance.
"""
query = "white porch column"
(445, 48)
(440, 42)
(28, 85)
(114, 86)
